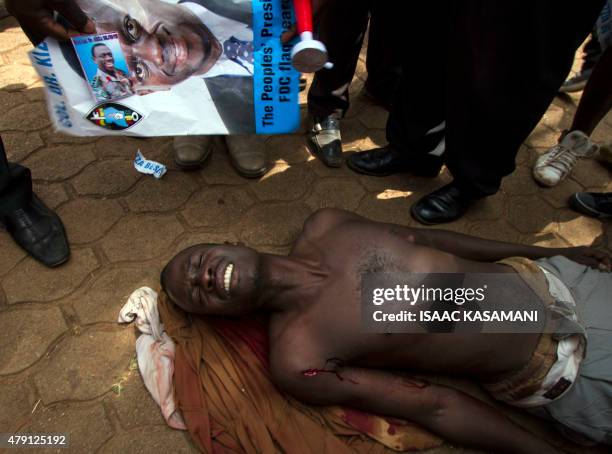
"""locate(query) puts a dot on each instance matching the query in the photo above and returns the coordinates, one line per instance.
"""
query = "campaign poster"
(174, 67)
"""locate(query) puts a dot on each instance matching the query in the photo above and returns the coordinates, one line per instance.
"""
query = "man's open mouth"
(227, 278)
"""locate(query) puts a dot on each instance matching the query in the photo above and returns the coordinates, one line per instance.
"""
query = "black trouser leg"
(15, 184)
(510, 59)
(384, 58)
(342, 26)
(420, 99)
(490, 69)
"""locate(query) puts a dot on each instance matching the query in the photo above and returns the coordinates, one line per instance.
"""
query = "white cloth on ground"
(155, 352)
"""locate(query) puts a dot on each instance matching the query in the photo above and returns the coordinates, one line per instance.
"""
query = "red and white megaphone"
(309, 55)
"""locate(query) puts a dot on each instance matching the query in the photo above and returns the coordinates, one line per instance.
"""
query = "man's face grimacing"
(103, 57)
(214, 280)
(163, 43)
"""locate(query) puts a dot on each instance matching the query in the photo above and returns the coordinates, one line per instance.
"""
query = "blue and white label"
(276, 83)
(149, 167)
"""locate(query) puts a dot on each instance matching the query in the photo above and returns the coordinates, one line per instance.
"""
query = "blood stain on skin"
(315, 372)
(413, 383)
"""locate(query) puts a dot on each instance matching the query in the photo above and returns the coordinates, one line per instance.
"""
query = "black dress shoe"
(446, 204)
(40, 232)
(382, 162)
(325, 141)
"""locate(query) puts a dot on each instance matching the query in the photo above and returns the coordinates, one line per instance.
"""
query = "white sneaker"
(557, 163)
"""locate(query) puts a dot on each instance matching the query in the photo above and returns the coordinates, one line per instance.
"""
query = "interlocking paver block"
(106, 147)
(106, 178)
(520, 183)
(335, 193)
(31, 281)
(11, 253)
(291, 149)
(86, 366)
(58, 163)
(579, 230)
(284, 183)
(388, 206)
(15, 405)
(591, 173)
(102, 301)
(151, 439)
(19, 145)
(86, 426)
(26, 334)
(137, 238)
(10, 99)
(168, 193)
(134, 404)
(87, 220)
(557, 196)
(273, 224)
(53, 194)
(25, 117)
(215, 207)
(192, 239)
(531, 215)
(218, 170)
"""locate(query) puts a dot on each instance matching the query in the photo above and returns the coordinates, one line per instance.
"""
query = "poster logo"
(113, 116)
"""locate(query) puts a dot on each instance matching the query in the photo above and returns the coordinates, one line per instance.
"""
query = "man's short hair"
(93, 48)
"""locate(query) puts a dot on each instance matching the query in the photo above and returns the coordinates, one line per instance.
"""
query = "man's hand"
(36, 18)
(595, 258)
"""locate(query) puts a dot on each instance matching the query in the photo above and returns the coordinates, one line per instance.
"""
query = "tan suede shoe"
(248, 155)
(190, 152)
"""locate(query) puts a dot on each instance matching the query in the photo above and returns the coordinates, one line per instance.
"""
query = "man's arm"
(446, 412)
(479, 249)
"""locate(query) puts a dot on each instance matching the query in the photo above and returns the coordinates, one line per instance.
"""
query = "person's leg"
(15, 185)
(558, 162)
(590, 57)
(33, 226)
(384, 57)
(596, 99)
(420, 98)
(341, 26)
(493, 102)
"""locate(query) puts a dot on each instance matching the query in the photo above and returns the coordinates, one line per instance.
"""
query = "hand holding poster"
(168, 67)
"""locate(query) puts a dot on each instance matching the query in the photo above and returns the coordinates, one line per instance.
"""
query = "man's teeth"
(227, 277)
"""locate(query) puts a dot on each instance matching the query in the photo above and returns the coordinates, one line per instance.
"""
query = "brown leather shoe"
(248, 155)
(190, 152)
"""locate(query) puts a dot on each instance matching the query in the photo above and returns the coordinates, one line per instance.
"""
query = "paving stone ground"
(66, 366)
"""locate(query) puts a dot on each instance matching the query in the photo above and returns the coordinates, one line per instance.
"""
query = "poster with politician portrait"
(174, 67)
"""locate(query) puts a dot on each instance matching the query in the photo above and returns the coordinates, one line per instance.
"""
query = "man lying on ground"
(320, 354)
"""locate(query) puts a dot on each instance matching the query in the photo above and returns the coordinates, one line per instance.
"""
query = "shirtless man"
(319, 352)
